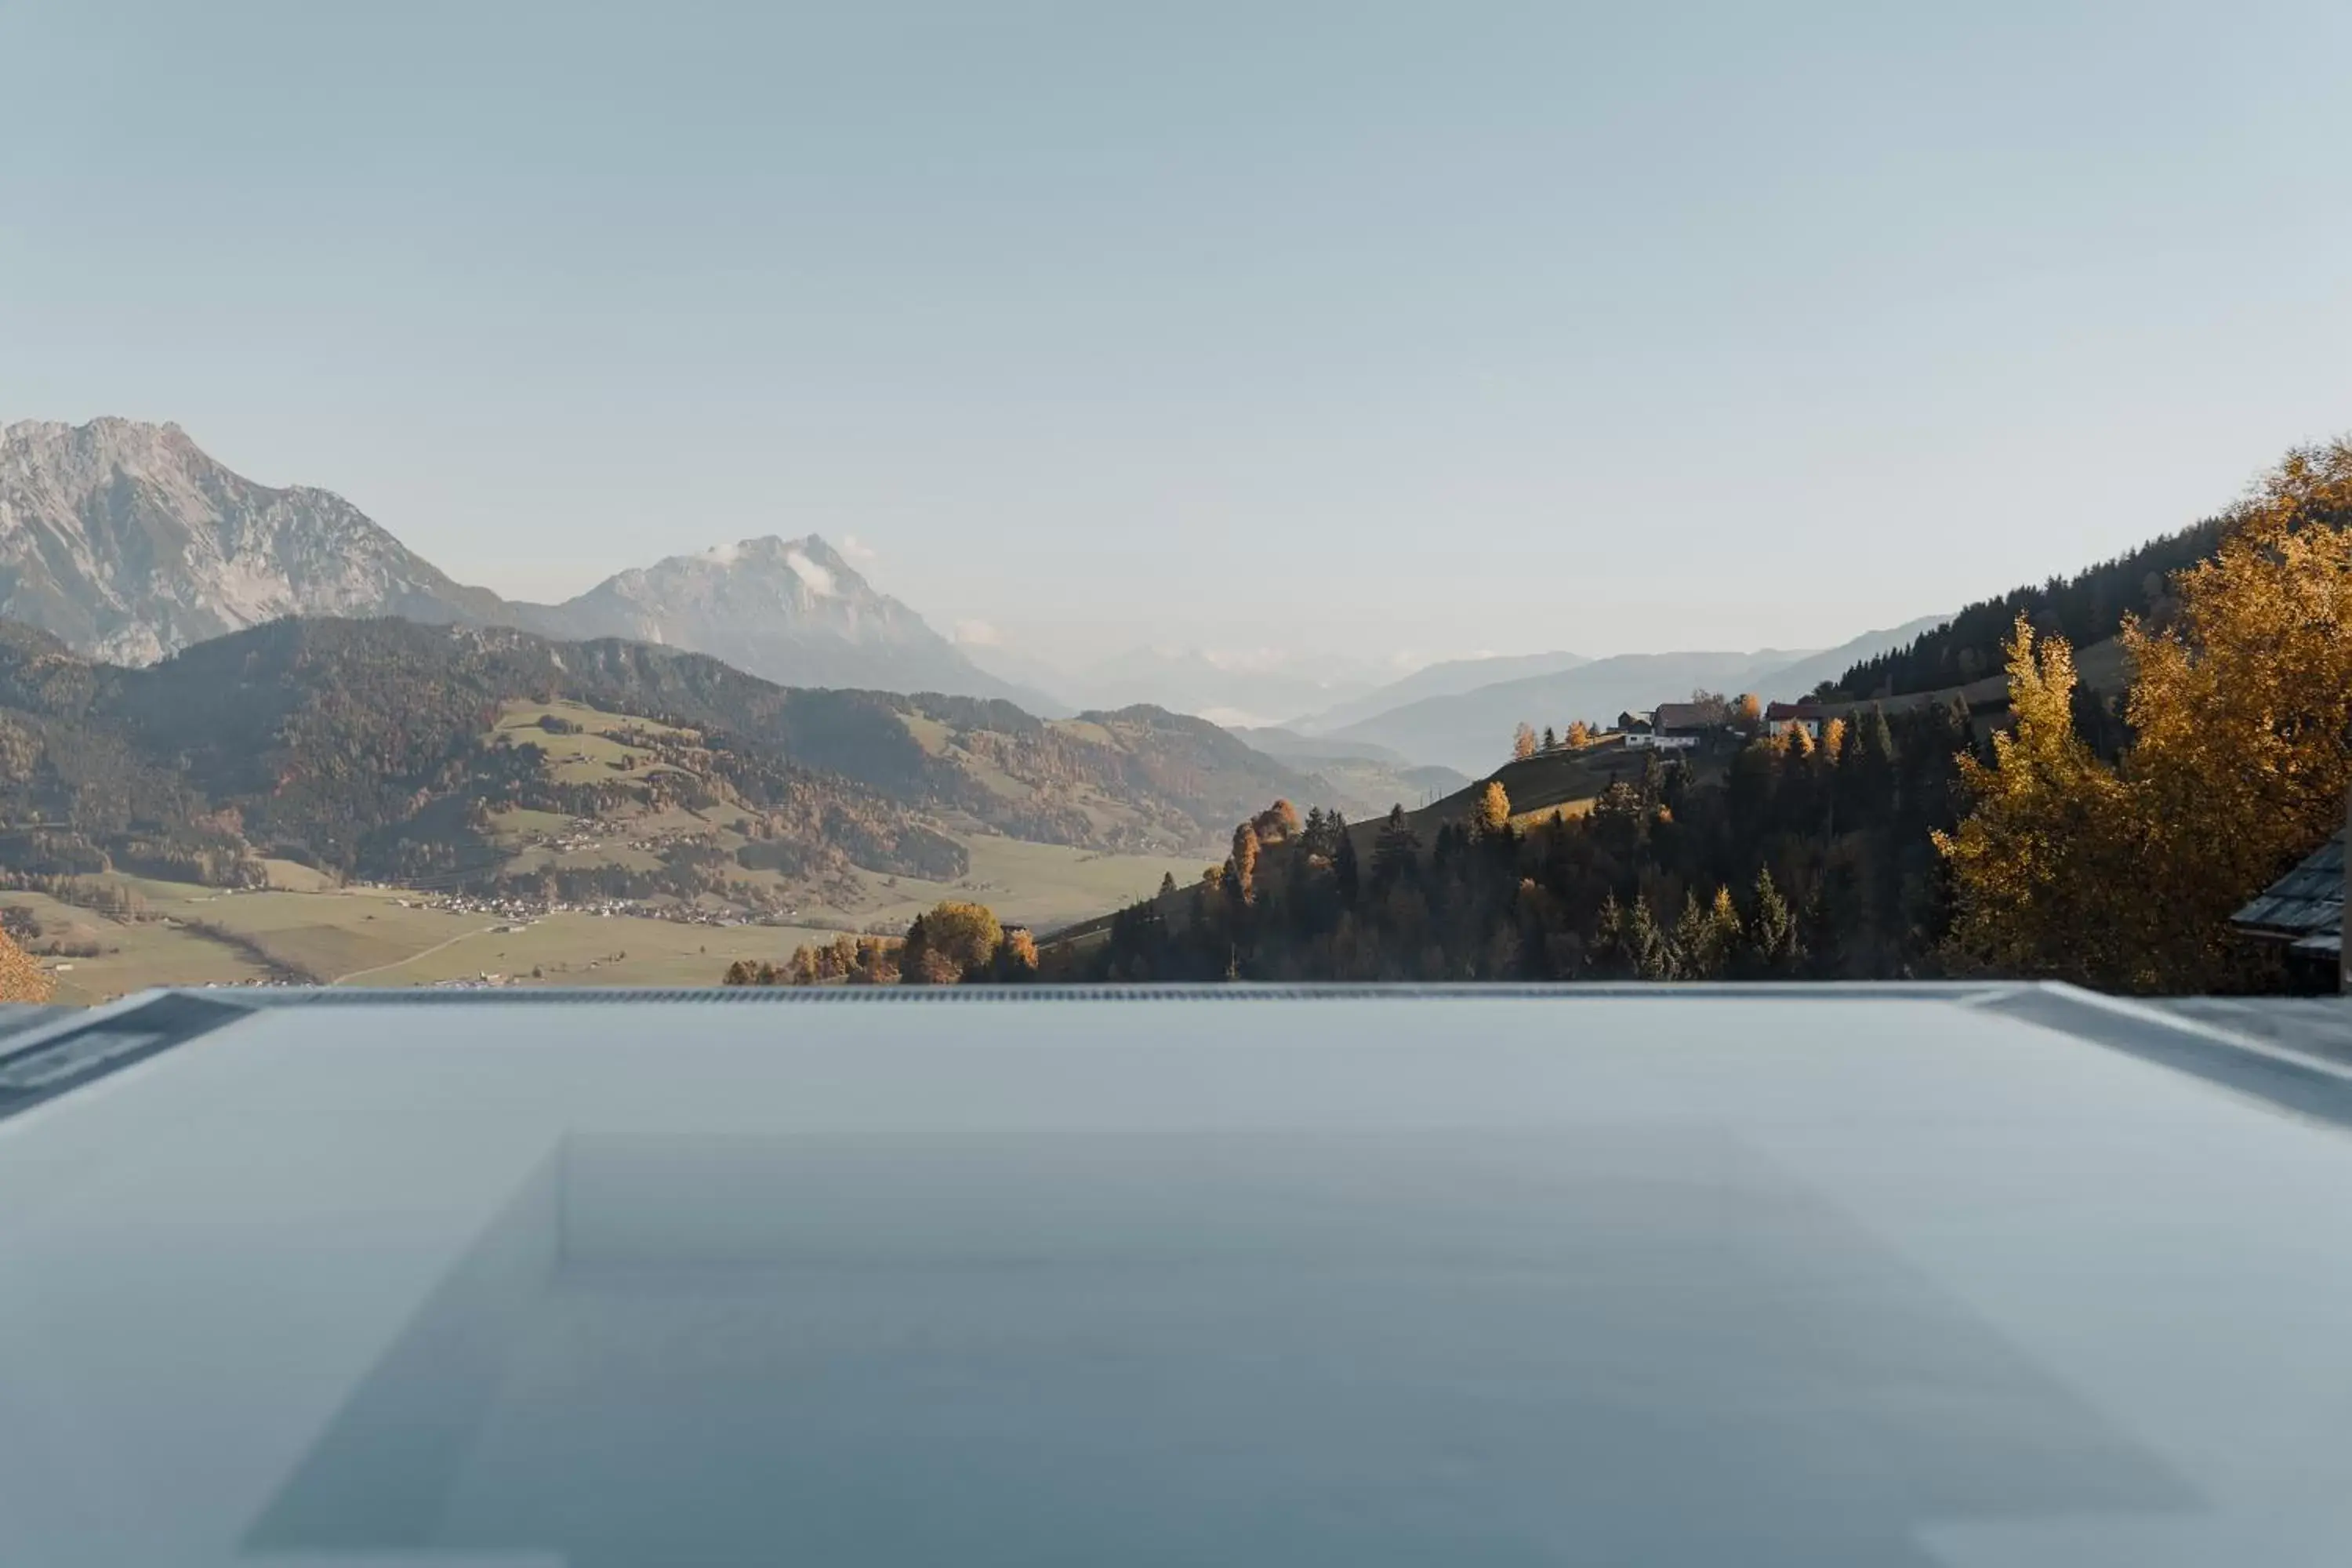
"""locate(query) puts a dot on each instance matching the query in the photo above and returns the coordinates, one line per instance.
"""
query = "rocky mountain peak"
(772, 603)
(809, 561)
(130, 542)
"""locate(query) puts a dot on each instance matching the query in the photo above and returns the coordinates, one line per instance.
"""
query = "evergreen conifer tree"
(1645, 944)
(1396, 853)
(1609, 938)
(1344, 875)
(1692, 959)
(1772, 930)
(1723, 932)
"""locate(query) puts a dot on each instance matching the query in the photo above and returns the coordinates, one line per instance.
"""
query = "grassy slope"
(138, 953)
(1540, 786)
(536, 840)
(366, 936)
(1043, 885)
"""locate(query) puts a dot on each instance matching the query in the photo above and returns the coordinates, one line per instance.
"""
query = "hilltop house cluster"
(1685, 726)
(1680, 726)
(1671, 727)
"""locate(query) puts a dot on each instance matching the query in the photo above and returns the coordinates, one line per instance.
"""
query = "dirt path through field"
(424, 953)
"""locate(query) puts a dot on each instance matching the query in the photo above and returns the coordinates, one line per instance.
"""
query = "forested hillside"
(1804, 860)
(79, 789)
(2085, 608)
(361, 747)
(2109, 847)
(369, 748)
(1896, 844)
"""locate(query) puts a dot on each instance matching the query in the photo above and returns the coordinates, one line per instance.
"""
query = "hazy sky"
(1447, 326)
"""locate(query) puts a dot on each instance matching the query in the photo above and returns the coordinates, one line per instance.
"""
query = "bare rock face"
(129, 542)
(789, 609)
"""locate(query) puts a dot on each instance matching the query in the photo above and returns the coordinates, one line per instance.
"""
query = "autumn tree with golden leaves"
(2028, 860)
(2241, 710)
(22, 979)
(1241, 870)
(1277, 824)
(1491, 812)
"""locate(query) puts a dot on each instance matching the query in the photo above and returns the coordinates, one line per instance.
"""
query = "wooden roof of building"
(1685, 716)
(2305, 907)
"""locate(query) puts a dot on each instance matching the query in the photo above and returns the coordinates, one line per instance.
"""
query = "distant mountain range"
(1833, 665)
(129, 542)
(1471, 730)
(1243, 689)
(1364, 777)
(1280, 740)
(1448, 679)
